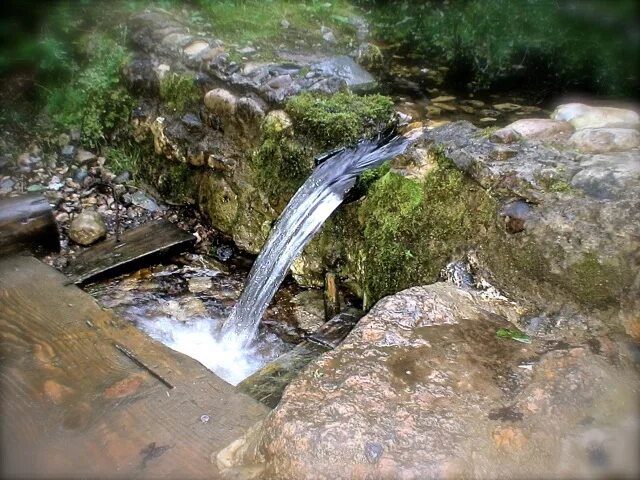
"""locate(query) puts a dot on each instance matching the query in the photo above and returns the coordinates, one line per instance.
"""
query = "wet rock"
(140, 199)
(423, 388)
(584, 116)
(356, 77)
(221, 102)
(533, 129)
(87, 228)
(199, 284)
(602, 140)
(84, 156)
(370, 57)
(507, 107)
(309, 310)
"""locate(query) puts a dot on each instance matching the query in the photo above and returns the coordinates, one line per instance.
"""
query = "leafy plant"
(96, 102)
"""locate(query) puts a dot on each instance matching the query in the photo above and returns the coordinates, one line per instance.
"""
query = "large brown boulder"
(424, 388)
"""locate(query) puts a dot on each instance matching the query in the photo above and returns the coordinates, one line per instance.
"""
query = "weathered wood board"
(85, 394)
(135, 245)
(27, 224)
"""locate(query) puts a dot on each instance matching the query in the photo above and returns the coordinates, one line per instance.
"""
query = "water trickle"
(312, 204)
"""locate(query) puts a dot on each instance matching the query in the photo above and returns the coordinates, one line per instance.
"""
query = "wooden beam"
(27, 224)
(135, 246)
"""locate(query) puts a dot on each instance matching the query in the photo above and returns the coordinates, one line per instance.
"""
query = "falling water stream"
(194, 322)
(312, 204)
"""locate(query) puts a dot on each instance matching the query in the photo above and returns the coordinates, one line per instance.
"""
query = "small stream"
(183, 304)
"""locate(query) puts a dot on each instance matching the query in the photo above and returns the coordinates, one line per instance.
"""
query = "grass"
(259, 22)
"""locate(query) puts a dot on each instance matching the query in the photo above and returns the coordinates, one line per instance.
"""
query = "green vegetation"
(407, 240)
(259, 22)
(126, 157)
(590, 44)
(179, 92)
(281, 163)
(336, 120)
(96, 102)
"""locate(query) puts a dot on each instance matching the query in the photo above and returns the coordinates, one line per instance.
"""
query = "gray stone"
(84, 156)
(533, 129)
(87, 228)
(602, 140)
(585, 116)
(6, 186)
(356, 77)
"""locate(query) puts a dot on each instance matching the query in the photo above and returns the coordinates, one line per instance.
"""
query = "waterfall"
(312, 204)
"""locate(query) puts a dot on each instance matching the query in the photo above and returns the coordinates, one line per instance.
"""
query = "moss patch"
(179, 92)
(284, 158)
(404, 231)
(339, 119)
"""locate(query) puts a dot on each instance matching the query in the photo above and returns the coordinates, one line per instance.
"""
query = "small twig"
(135, 360)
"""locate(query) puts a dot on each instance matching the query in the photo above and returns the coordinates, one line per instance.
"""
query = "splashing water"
(312, 204)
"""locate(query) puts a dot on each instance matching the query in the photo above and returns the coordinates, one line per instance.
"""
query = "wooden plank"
(74, 404)
(135, 245)
(27, 224)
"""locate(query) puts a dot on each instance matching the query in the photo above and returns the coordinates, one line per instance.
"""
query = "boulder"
(87, 228)
(602, 140)
(221, 102)
(355, 77)
(424, 387)
(585, 116)
(533, 129)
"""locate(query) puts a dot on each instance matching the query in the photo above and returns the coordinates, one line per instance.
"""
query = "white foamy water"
(196, 339)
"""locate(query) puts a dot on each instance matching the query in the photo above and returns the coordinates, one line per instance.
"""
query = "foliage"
(259, 21)
(179, 92)
(96, 101)
(126, 157)
(588, 44)
(339, 119)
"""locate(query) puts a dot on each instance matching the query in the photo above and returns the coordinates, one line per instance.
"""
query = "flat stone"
(585, 116)
(444, 106)
(507, 107)
(84, 156)
(601, 140)
(195, 48)
(443, 99)
(356, 77)
(533, 128)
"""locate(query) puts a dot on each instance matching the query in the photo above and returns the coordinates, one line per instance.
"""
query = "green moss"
(179, 92)
(338, 119)
(406, 241)
(174, 180)
(280, 165)
(596, 284)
